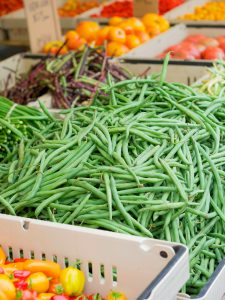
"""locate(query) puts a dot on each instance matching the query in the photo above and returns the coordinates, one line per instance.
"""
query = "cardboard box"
(141, 7)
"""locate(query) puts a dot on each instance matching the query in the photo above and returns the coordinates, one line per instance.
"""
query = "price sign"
(43, 22)
(141, 7)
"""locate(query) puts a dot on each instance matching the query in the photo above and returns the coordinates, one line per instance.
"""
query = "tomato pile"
(167, 5)
(198, 46)
(123, 9)
(7, 6)
(31, 279)
(211, 11)
(120, 36)
(75, 7)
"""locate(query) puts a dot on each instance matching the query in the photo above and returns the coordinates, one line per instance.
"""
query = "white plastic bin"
(175, 35)
(189, 7)
(144, 268)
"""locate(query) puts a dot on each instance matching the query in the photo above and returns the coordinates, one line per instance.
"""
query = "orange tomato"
(117, 34)
(164, 24)
(153, 30)
(116, 296)
(38, 282)
(114, 21)
(88, 30)
(55, 286)
(137, 24)
(132, 41)
(103, 35)
(127, 26)
(2, 256)
(45, 296)
(71, 36)
(116, 49)
(149, 18)
(55, 50)
(79, 44)
(143, 36)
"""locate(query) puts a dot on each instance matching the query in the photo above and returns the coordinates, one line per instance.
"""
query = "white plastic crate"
(214, 289)
(177, 71)
(175, 35)
(153, 268)
(189, 7)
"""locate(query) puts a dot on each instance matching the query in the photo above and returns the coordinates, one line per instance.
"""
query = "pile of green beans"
(17, 122)
(151, 163)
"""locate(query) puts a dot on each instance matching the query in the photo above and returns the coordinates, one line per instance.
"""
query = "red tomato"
(195, 38)
(192, 49)
(200, 47)
(60, 297)
(183, 54)
(221, 40)
(29, 295)
(209, 42)
(213, 53)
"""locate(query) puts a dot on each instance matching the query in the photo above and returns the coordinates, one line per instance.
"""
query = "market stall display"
(167, 5)
(72, 80)
(198, 12)
(197, 46)
(44, 280)
(123, 9)
(112, 153)
(72, 8)
(210, 11)
(7, 6)
(185, 43)
(119, 36)
(98, 255)
(125, 174)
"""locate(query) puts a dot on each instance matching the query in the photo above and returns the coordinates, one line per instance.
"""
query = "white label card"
(43, 23)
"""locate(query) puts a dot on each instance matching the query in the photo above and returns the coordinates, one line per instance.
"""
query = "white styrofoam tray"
(174, 35)
(156, 269)
(189, 7)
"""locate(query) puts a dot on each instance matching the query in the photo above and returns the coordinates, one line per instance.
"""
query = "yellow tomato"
(73, 281)
(45, 296)
(7, 288)
(38, 282)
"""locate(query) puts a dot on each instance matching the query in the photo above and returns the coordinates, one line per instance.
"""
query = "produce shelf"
(160, 267)
(189, 7)
(175, 35)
